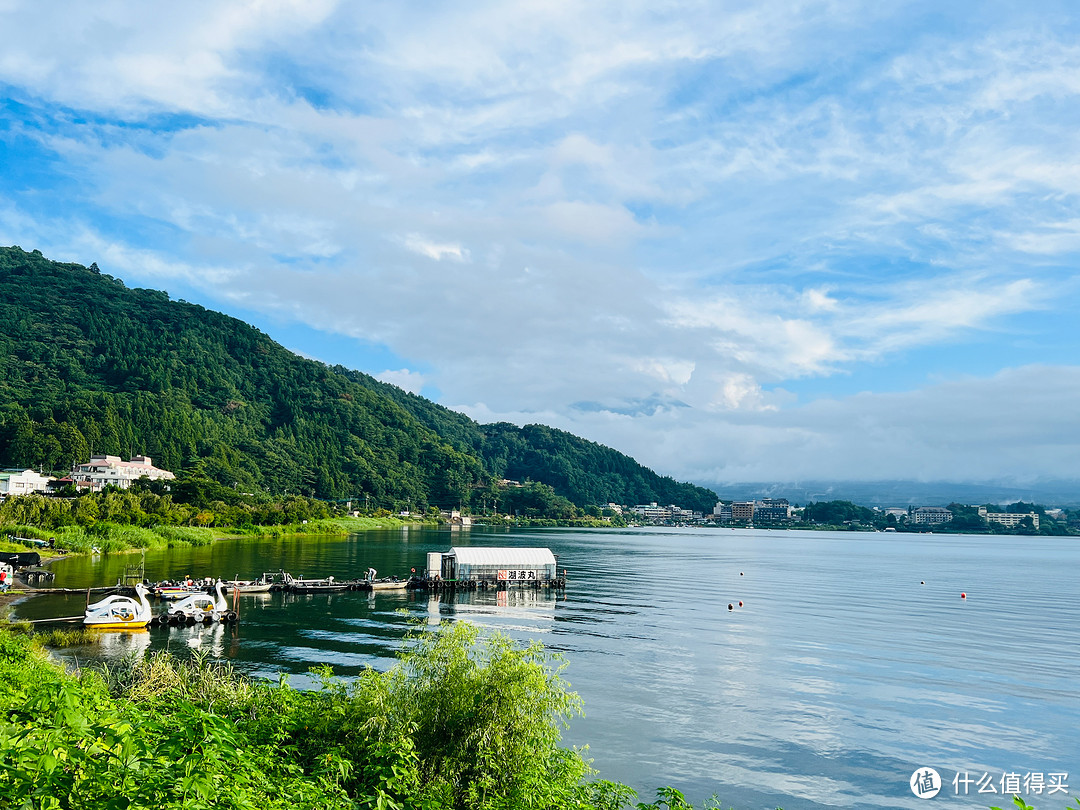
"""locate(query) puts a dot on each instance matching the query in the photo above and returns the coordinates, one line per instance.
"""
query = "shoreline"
(25, 591)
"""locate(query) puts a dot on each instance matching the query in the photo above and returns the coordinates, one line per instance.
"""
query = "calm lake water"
(838, 678)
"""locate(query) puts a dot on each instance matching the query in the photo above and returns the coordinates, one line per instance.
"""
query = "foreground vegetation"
(460, 723)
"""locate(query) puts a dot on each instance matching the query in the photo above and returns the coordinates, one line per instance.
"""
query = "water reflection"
(216, 640)
(118, 644)
(523, 610)
(839, 675)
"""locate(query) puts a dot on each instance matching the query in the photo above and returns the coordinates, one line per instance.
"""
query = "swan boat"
(202, 607)
(119, 612)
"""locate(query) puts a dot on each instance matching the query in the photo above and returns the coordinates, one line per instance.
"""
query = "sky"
(742, 242)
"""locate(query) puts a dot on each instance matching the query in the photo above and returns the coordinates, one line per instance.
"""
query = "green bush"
(461, 721)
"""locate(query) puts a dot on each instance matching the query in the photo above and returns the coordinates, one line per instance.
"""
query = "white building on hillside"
(1009, 519)
(652, 511)
(930, 515)
(22, 482)
(103, 471)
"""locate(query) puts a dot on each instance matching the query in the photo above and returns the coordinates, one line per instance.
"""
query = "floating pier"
(465, 568)
(460, 569)
(455, 585)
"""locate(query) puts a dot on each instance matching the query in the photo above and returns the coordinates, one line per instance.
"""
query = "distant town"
(103, 471)
(779, 513)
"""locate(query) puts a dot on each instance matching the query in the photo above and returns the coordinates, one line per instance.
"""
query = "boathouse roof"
(503, 556)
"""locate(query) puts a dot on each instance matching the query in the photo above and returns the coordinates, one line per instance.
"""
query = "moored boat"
(119, 612)
(301, 585)
(261, 585)
(388, 584)
(201, 607)
(176, 590)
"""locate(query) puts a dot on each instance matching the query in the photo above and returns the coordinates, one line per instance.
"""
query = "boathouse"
(509, 565)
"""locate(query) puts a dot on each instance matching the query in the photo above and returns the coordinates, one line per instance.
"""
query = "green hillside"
(88, 365)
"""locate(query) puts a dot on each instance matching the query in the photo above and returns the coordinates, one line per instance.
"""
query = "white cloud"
(590, 222)
(1010, 427)
(628, 205)
(433, 250)
(665, 370)
(411, 381)
(117, 55)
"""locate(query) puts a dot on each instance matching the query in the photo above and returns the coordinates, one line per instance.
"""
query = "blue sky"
(741, 242)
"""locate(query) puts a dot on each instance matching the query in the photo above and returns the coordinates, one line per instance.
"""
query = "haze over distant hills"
(90, 366)
(905, 493)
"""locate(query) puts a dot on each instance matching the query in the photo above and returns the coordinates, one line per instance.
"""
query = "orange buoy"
(963, 596)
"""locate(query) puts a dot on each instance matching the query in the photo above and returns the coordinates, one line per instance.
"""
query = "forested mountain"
(90, 366)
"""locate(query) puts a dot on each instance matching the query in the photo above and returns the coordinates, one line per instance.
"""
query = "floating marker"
(963, 596)
(730, 606)
(740, 603)
(923, 582)
(740, 573)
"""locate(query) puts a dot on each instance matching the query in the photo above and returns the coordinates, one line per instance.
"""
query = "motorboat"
(301, 585)
(261, 585)
(201, 607)
(120, 612)
(173, 590)
(391, 584)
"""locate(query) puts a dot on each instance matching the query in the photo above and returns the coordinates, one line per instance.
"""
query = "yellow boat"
(119, 612)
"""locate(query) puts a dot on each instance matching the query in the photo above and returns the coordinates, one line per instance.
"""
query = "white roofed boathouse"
(470, 567)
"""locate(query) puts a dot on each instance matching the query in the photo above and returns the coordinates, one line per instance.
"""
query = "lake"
(839, 677)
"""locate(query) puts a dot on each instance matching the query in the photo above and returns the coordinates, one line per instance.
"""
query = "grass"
(345, 525)
(55, 638)
(114, 537)
(162, 676)
(59, 638)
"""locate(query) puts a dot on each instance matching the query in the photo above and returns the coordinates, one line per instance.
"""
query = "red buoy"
(740, 603)
(963, 596)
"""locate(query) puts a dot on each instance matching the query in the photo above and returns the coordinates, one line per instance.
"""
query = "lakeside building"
(1009, 519)
(930, 515)
(722, 512)
(655, 513)
(766, 510)
(742, 511)
(22, 482)
(104, 470)
(652, 511)
(455, 518)
(685, 515)
(772, 510)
